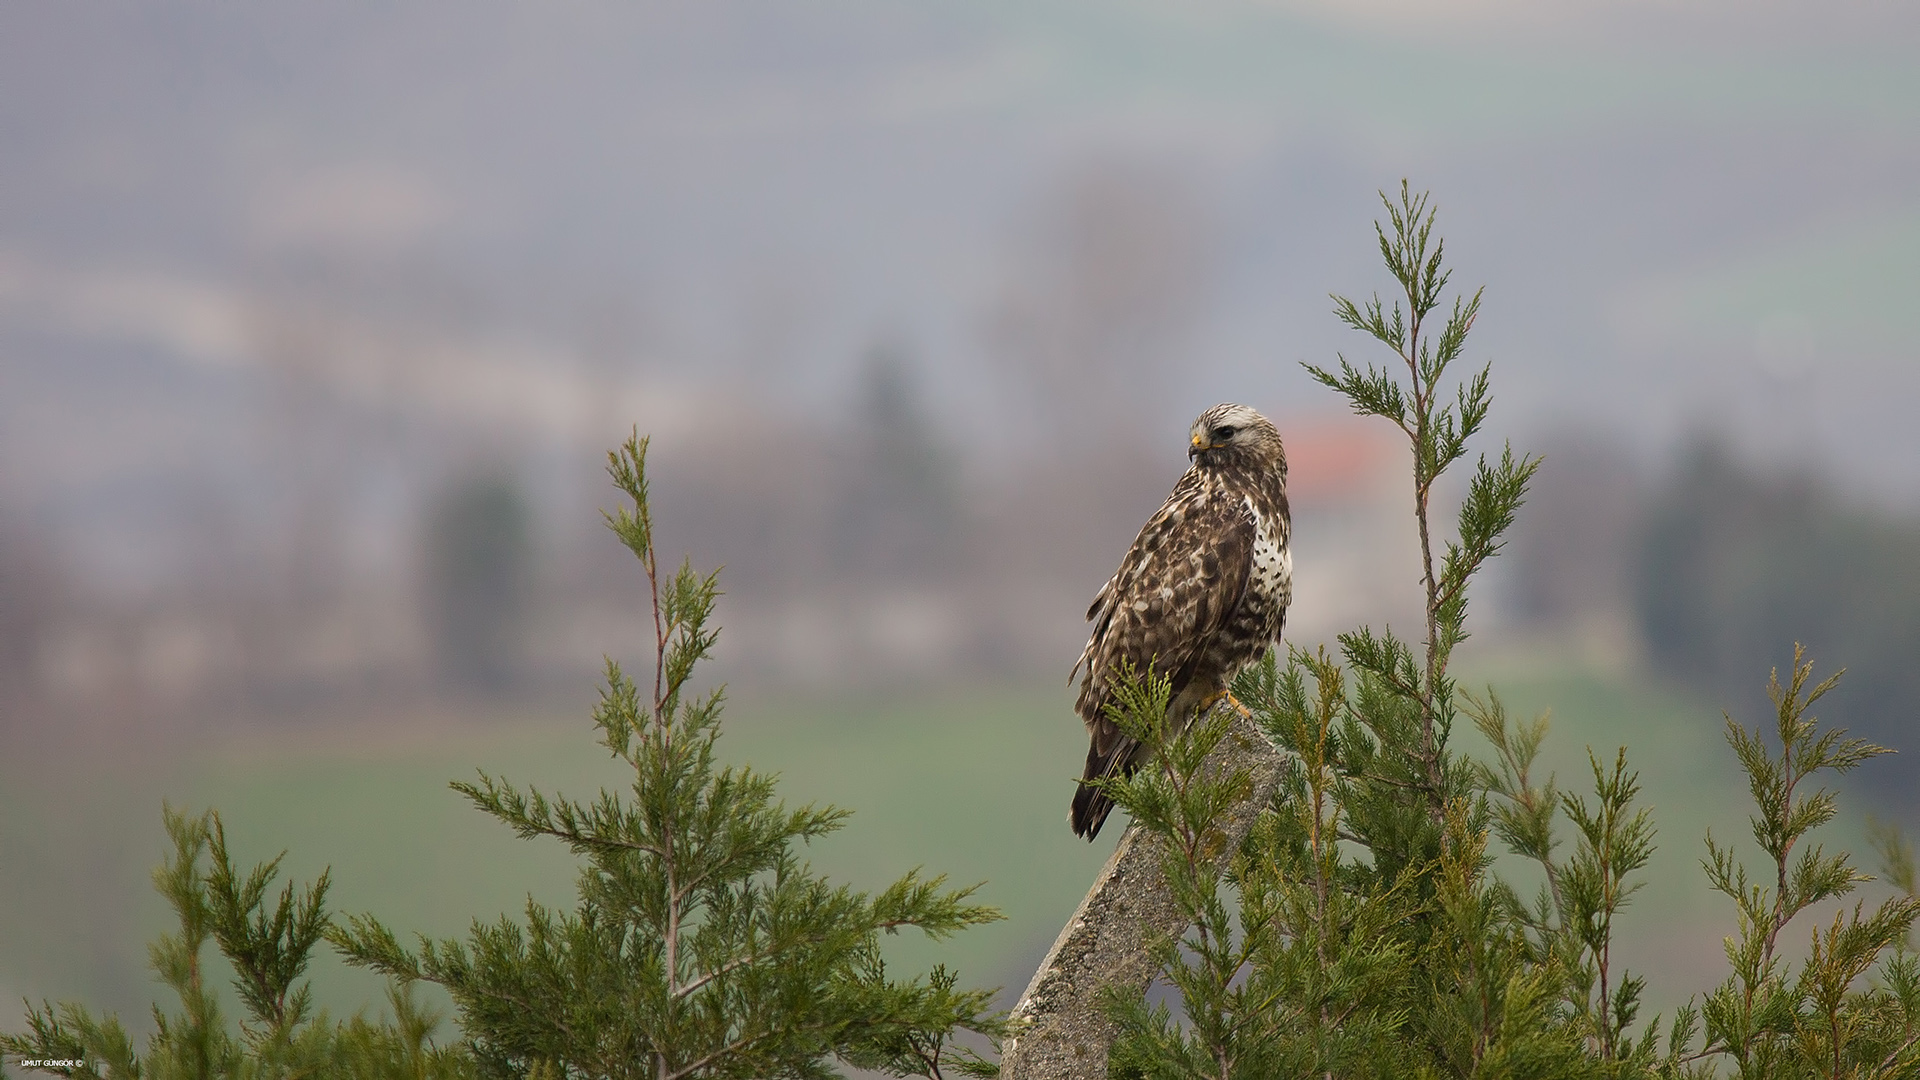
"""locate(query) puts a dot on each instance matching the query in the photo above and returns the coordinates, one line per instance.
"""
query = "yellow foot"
(1211, 700)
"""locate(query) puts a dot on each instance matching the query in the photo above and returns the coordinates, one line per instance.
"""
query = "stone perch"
(1065, 1035)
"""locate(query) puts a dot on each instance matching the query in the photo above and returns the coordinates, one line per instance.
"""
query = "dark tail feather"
(1090, 809)
(1091, 805)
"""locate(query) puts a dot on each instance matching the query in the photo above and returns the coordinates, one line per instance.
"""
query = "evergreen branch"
(268, 954)
(1369, 393)
(736, 1047)
(731, 966)
(1888, 1063)
(1494, 497)
(1525, 821)
(365, 942)
(701, 944)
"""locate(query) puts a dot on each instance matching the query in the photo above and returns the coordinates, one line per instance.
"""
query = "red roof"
(1341, 457)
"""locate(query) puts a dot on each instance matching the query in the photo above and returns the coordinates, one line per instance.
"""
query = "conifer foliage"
(701, 945)
(1362, 930)
(267, 947)
(1765, 1019)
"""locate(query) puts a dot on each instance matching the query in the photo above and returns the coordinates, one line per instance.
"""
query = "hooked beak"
(1199, 444)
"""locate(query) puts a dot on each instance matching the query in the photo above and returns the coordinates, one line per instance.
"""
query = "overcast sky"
(1686, 216)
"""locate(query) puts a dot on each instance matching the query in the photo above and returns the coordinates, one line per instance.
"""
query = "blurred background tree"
(1734, 560)
(478, 553)
(903, 483)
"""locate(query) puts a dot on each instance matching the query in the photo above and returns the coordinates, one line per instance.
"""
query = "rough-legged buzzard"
(1202, 594)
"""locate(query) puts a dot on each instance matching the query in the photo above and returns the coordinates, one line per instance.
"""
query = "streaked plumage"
(1202, 594)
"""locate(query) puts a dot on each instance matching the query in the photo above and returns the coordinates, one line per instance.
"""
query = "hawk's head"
(1232, 434)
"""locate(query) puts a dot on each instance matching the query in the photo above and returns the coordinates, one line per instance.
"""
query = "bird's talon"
(1206, 705)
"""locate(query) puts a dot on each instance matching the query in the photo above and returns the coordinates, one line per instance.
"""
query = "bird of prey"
(1200, 596)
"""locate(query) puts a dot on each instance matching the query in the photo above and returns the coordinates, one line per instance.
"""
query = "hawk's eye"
(1223, 433)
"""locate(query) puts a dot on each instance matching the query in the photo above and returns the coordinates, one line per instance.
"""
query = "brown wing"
(1178, 585)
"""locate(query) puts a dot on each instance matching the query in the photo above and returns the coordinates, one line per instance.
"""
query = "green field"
(972, 784)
